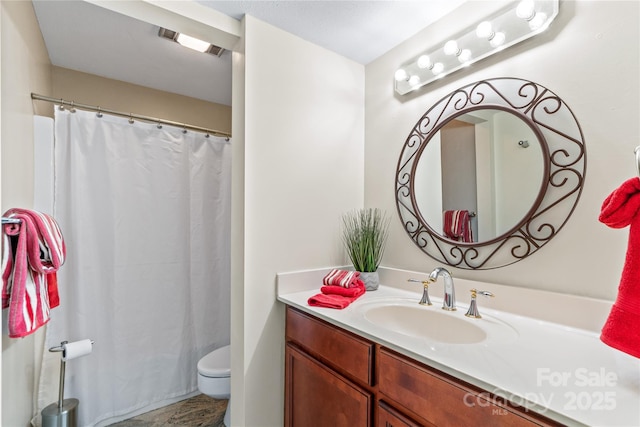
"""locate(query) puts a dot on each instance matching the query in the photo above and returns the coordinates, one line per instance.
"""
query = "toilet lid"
(216, 364)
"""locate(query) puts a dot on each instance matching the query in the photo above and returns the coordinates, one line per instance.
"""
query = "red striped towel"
(32, 251)
(344, 278)
(457, 225)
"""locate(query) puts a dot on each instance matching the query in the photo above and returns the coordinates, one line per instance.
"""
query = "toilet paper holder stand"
(59, 349)
(64, 412)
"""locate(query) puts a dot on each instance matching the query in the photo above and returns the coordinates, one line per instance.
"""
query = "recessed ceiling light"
(190, 42)
(193, 43)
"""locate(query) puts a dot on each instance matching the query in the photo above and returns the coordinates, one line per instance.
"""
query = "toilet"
(214, 377)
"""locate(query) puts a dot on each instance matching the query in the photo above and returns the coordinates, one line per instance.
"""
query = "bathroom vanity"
(352, 367)
(367, 384)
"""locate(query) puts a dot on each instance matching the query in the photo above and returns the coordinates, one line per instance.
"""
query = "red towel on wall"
(344, 278)
(457, 225)
(622, 328)
(337, 296)
(32, 251)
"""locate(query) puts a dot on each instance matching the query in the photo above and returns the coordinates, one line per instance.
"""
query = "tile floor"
(198, 411)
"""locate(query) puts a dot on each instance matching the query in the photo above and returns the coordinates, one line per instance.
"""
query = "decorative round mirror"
(490, 173)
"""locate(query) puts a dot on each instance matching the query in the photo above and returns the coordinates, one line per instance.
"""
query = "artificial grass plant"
(365, 234)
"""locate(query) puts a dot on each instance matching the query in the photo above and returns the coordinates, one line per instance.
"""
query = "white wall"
(428, 180)
(303, 167)
(589, 57)
(519, 171)
(25, 68)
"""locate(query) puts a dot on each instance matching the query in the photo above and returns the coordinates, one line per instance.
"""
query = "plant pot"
(371, 280)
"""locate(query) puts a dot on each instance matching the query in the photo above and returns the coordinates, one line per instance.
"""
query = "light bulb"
(424, 62)
(437, 68)
(414, 80)
(497, 40)
(484, 30)
(451, 48)
(464, 56)
(525, 9)
(401, 75)
(538, 21)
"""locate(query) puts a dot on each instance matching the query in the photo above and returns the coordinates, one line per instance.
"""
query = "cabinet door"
(316, 396)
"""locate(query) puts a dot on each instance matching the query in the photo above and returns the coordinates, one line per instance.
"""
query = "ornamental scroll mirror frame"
(564, 156)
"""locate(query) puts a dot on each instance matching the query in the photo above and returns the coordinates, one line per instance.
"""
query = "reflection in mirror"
(509, 151)
(487, 162)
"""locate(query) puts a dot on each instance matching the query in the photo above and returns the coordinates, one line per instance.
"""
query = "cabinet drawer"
(343, 351)
(441, 400)
(389, 417)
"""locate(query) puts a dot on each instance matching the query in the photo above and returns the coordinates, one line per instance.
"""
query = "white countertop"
(563, 372)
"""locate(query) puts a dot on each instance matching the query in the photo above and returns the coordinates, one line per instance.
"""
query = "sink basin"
(417, 322)
(434, 324)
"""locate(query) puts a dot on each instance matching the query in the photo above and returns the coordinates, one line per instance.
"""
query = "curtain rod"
(129, 115)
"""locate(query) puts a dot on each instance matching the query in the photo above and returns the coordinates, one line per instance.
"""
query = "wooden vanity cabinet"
(336, 378)
(435, 398)
(328, 375)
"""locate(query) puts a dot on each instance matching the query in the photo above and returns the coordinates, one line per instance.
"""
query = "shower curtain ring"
(131, 118)
(206, 135)
(61, 106)
(99, 113)
(159, 126)
(72, 109)
(184, 128)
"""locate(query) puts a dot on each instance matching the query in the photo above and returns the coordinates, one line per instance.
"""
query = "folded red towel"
(620, 209)
(344, 278)
(345, 292)
(337, 297)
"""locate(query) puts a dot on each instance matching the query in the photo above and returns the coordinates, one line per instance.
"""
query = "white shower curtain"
(145, 214)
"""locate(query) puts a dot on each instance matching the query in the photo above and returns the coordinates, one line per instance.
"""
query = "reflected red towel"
(337, 297)
(457, 225)
(344, 278)
(621, 330)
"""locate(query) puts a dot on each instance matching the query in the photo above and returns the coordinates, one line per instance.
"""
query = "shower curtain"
(145, 213)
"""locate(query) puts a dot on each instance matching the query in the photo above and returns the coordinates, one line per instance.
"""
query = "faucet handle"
(473, 306)
(425, 291)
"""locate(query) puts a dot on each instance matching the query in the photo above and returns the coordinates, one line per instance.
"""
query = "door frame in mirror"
(564, 154)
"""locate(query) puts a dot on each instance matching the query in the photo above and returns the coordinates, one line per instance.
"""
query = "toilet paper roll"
(76, 349)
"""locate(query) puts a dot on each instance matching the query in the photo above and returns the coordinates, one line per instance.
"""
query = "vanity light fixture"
(190, 42)
(484, 30)
(516, 22)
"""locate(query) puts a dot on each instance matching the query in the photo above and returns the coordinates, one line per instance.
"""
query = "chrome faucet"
(425, 292)
(449, 302)
(473, 305)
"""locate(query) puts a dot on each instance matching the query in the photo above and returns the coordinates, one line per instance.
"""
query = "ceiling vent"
(173, 36)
